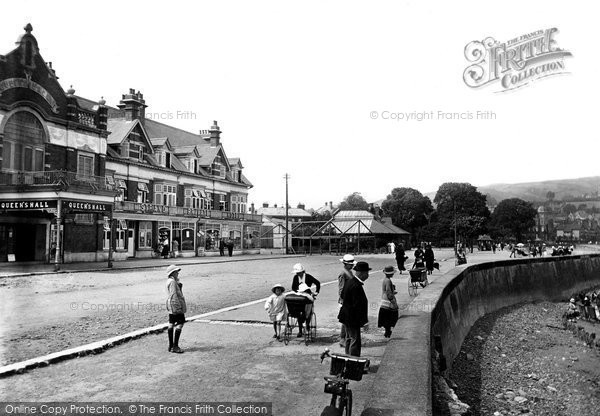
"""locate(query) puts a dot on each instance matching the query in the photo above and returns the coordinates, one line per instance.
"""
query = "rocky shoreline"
(525, 359)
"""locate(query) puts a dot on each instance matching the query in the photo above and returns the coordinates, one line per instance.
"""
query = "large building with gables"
(78, 176)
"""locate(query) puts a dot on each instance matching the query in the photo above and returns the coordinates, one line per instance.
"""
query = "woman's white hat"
(298, 267)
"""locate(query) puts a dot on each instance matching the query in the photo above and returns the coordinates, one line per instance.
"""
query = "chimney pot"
(265, 205)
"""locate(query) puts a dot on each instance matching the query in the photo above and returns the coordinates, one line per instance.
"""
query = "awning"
(195, 193)
(123, 224)
(110, 180)
(121, 183)
(143, 187)
(202, 193)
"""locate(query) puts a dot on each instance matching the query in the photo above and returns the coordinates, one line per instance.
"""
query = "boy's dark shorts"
(176, 318)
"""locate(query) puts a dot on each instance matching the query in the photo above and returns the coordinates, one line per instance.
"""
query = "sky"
(324, 91)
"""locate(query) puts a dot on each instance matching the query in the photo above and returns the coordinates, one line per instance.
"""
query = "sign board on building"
(80, 206)
(27, 205)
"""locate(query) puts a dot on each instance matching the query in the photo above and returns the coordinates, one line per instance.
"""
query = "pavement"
(36, 268)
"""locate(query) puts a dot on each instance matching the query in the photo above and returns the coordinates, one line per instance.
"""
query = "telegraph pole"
(286, 177)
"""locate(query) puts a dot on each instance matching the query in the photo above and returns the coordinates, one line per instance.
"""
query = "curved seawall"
(447, 309)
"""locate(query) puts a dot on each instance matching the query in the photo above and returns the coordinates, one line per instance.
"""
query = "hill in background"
(536, 191)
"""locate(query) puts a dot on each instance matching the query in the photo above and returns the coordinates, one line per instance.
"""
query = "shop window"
(213, 235)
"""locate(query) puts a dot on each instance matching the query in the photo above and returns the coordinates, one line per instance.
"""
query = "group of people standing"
(352, 300)
(424, 257)
(223, 244)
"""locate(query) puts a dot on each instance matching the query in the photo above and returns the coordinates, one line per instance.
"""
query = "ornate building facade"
(82, 181)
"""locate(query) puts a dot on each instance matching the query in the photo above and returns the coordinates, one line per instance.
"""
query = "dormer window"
(136, 151)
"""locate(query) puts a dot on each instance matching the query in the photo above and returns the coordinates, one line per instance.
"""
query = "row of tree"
(459, 209)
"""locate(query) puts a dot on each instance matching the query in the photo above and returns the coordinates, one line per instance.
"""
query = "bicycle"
(344, 368)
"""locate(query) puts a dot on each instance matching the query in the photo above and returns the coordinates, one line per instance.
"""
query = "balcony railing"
(139, 207)
(62, 179)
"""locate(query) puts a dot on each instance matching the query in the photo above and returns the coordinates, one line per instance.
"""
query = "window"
(121, 189)
(217, 167)
(136, 151)
(165, 195)
(223, 204)
(145, 235)
(85, 164)
(142, 192)
(195, 198)
(23, 147)
(120, 233)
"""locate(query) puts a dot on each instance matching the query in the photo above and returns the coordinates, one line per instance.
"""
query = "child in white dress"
(275, 307)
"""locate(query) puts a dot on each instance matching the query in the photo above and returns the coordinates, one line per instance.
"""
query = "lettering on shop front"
(27, 205)
(151, 208)
(86, 207)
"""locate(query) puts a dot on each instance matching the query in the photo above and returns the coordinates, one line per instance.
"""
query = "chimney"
(274, 205)
(252, 208)
(215, 135)
(134, 105)
(301, 206)
(265, 205)
(331, 205)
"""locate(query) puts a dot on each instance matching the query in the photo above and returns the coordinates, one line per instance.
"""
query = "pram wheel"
(287, 331)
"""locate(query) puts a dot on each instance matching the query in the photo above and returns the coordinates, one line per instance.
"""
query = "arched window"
(23, 144)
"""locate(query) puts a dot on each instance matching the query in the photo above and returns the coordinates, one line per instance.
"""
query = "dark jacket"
(355, 306)
(308, 279)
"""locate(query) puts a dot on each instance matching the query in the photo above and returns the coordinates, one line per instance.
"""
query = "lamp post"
(286, 177)
(454, 210)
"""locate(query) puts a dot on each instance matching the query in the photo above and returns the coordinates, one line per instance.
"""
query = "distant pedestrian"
(165, 248)
(230, 248)
(221, 247)
(429, 258)
(388, 308)
(275, 306)
(392, 247)
(354, 312)
(419, 258)
(176, 307)
(344, 276)
(493, 248)
(400, 257)
(175, 248)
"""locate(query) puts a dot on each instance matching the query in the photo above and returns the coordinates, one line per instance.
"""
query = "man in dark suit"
(355, 307)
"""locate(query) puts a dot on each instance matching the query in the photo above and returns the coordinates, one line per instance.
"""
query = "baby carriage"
(300, 308)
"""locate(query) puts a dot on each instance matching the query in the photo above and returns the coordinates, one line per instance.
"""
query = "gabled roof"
(120, 129)
(186, 150)
(162, 141)
(236, 161)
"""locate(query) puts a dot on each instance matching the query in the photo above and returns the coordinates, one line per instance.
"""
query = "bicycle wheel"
(412, 288)
(347, 409)
(287, 332)
(313, 327)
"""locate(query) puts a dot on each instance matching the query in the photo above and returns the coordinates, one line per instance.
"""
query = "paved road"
(229, 356)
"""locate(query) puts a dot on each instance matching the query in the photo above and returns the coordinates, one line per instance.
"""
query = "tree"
(550, 196)
(514, 217)
(354, 201)
(408, 209)
(465, 203)
(569, 209)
